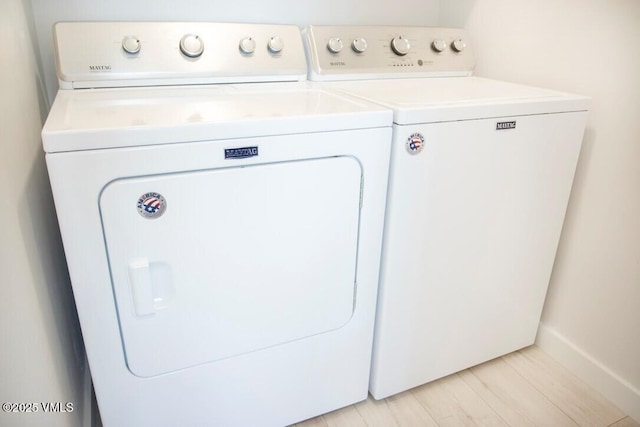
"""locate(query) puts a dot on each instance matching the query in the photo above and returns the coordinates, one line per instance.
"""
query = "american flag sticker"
(151, 205)
(415, 143)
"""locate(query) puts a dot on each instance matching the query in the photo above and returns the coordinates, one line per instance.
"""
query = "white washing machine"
(480, 177)
(223, 240)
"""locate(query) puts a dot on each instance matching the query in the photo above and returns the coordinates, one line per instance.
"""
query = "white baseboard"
(597, 375)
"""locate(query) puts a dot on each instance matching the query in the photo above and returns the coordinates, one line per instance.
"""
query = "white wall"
(41, 353)
(298, 12)
(591, 321)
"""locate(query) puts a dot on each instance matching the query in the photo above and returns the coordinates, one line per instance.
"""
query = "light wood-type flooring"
(525, 388)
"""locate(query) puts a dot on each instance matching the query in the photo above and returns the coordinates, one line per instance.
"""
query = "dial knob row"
(248, 45)
(400, 45)
(192, 45)
(358, 45)
(458, 45)
(335, 45)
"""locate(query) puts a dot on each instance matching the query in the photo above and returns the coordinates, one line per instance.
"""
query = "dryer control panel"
(119, 54)
(367, 52)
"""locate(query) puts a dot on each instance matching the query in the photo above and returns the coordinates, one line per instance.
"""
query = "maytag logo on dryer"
(505, 125)
(338, 64)
(240, 152)
(100, 68)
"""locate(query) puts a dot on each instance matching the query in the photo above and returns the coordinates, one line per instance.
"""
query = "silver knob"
(247, 45)
(359, 45)
(335, 45)
(275, 44)
(400, 45)
(191, 45)
(438, 45)
(131, 44)
(458, 45)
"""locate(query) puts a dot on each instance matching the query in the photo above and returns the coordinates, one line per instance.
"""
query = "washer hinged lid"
(428, 100)
(108, 118)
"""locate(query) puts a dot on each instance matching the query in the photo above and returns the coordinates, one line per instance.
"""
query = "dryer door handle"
(141, 287)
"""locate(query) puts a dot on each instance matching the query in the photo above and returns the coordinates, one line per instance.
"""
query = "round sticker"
(415, 143)
(151, 205)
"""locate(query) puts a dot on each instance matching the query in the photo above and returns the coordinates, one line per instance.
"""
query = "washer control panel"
(386, 52)
(118, 54)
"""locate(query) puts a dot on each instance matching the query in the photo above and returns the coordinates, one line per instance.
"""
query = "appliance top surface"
(443, 91)
(126, 84)
(121, 117)
(439, 99)
(187, 105)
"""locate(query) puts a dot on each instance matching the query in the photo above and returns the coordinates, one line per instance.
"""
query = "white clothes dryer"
(223, 240)
(480, 177)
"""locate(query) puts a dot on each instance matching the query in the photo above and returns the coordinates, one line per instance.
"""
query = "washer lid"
(108, 118)
(429, 100)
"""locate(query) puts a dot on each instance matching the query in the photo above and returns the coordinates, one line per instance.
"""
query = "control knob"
(359, 45)
(458, 45)
(438, 45)
(400, 45)
(131, 44)
(275, 44)
(335, 45)
(191, 45)
(247, 45)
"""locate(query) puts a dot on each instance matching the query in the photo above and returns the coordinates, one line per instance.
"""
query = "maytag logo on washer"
(151, 205)
(505, 125)
(240, 152)
(415, 143)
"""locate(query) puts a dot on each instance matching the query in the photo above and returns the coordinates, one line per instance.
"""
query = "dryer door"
(212, 264)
